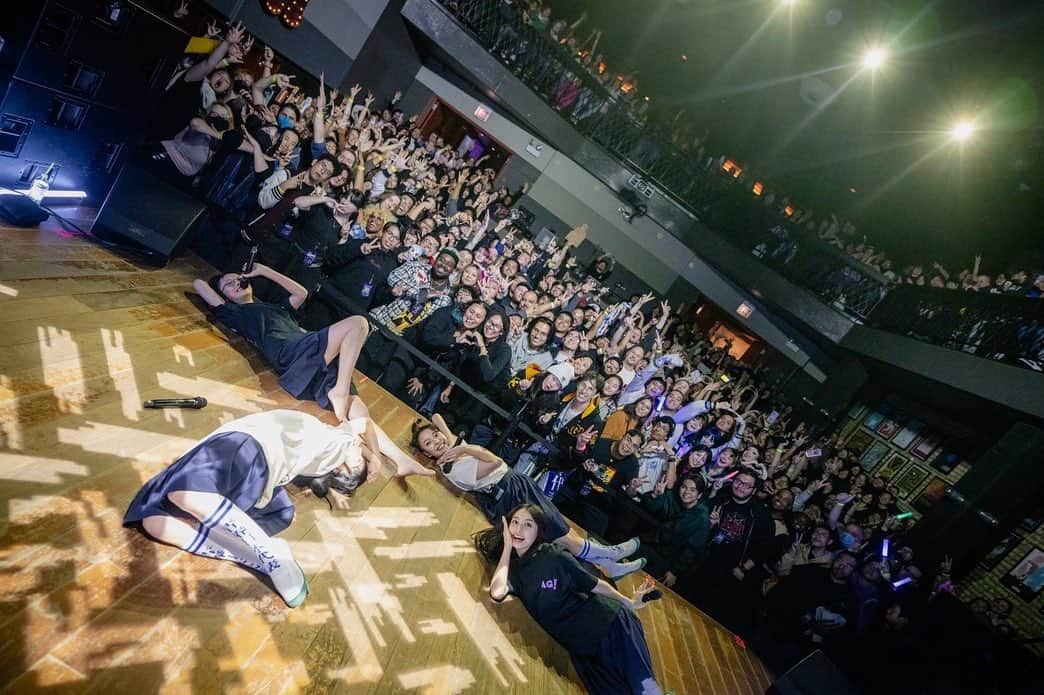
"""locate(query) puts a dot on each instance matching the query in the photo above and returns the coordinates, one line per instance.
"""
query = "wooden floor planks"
(397, 601)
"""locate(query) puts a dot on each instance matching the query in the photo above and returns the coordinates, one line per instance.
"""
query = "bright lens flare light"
(874, 58)
(962, 131)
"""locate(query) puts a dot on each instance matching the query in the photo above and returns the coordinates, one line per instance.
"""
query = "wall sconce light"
(291, 12)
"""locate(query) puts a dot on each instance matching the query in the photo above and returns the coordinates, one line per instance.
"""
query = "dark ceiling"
(884, 133)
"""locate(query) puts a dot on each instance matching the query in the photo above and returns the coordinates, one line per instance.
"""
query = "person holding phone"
(595, 623)
(609, 468)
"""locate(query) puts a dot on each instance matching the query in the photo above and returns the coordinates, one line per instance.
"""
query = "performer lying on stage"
(225, 498)
(311, 364)
(587, 616)
(499, 488)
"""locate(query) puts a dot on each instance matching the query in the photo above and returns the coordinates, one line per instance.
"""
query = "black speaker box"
(996, 494)
(813, 675)
(837, 392)
(20, 211)
(144, 212)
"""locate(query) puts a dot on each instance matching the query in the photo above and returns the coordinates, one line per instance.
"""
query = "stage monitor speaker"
(21, 211)
(146, 213)
(997, 492)
(813, 675)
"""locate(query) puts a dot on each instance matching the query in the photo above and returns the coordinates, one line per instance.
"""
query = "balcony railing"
(998, 327)
(1001, 328)
(605, 115)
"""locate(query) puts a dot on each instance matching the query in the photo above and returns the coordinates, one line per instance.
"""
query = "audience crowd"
(580, 83)
(647, 427)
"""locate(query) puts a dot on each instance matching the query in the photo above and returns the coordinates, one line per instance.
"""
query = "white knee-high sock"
(593, 550)
(616, 570)
(228, 533)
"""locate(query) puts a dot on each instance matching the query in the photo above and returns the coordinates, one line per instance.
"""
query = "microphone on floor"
(195, 403)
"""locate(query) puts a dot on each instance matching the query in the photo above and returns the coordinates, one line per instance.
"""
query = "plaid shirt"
(405, 312)
(412, 275)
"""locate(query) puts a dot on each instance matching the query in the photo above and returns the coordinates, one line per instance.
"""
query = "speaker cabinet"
(997, 493)
(813, 675)
(144, 212)
(20, 211)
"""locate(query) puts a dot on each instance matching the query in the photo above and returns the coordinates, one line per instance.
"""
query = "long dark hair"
(490, 542)
(418, 428)
(345, 483)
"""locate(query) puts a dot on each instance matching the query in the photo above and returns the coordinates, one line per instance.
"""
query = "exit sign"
(482, 113)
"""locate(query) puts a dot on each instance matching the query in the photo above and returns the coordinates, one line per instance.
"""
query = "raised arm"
(203, 68)
(298, 293)
(208, 294)
(319, 119)
(499, 587)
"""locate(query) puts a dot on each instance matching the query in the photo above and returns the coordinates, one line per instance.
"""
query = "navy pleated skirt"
(231, 464)
(622, 663)
(517, 488)
(302, 368)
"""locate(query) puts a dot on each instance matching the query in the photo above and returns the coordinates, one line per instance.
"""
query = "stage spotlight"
(874, 58)
(962, 131)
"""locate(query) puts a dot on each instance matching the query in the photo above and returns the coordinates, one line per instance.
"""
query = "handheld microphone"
(248, 266)
(195, 403)
(654, 595)
(447, 467)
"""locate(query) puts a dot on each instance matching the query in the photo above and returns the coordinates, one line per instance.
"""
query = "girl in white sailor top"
(498, 488)
(225, 499)
(587, 616)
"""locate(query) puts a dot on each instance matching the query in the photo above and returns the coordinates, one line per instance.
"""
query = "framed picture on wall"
(873, 455)
(855, 411)
(858, 442)
(1032, 522)
(873, 419)
(925, 446)
(887, 428)
(945, 462)
(908, 434)
(910, 480)
(1026, 578)
(930, 495)
(951, 454)
(892, 466)
(1000, 551)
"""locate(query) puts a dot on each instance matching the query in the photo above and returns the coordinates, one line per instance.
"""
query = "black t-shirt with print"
(744, 532)
(556, 592)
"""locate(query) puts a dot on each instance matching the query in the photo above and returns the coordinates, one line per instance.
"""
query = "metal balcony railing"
(997, 327)
(597, 108)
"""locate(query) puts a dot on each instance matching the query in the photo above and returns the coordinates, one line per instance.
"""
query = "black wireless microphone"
(653, 595)
(195, 403)
(248, 266)
(447, 467)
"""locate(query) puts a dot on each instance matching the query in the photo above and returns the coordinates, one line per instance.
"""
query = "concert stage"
(397, 599)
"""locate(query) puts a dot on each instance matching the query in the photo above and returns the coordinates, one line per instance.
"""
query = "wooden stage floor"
(397, 599)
